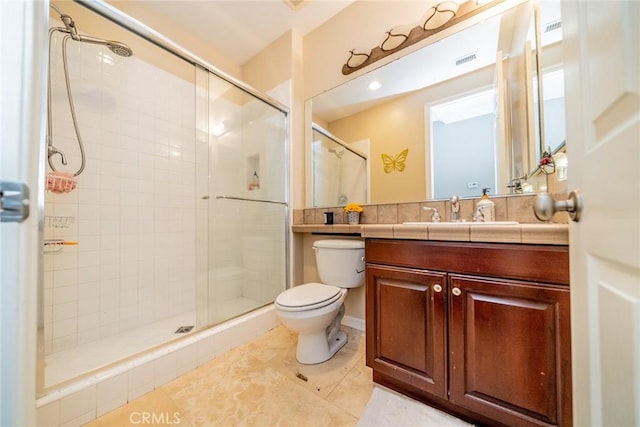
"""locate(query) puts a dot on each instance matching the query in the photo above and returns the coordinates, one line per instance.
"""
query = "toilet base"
(315, 348)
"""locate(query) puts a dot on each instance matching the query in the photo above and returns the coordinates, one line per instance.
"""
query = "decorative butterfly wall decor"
(395, 163)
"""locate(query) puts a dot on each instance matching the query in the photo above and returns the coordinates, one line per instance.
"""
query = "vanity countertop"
(550, 234)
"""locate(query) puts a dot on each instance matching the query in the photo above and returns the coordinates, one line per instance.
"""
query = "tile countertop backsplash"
(508, 208)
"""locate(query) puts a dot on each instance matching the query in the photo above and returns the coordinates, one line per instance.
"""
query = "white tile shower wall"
(134, 209)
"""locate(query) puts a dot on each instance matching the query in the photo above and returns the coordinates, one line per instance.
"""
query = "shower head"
(336, 152)
(118, 48)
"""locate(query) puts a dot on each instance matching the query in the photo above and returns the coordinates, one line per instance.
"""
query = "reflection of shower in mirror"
(339, 171)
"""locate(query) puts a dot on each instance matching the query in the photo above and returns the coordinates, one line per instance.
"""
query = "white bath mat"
(386, 408)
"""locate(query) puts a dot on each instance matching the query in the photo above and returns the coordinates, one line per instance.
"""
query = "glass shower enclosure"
(178, 220)
(339, 171)
(245, 197)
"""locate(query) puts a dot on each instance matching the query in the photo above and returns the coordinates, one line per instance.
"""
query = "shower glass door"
(247, 205)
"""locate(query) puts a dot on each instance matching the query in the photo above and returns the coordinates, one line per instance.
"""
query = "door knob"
(456, 291)
(437, 288)
(545, 206)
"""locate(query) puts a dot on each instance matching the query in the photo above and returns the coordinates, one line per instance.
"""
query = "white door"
(602, 45)
(23, 41)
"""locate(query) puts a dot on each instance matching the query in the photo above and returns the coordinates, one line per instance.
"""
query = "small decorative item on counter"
(328, 218)
(353, 213)
(486, 209)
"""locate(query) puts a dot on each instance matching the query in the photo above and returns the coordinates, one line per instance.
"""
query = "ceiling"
(242, 28)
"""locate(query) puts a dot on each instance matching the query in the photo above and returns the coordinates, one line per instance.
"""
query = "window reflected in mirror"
(463, 146)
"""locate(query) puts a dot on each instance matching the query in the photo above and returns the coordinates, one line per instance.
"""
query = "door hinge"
(14, 201)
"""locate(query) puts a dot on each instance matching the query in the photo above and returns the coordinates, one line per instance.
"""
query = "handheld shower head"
(118, 48)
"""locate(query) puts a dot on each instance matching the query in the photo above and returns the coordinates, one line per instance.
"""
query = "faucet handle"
(435, 216)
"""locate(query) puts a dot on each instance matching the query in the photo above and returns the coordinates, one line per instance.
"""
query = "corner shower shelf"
(54, 246)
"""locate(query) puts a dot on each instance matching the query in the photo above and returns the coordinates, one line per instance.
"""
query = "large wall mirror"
(551, 129)
(453, 117)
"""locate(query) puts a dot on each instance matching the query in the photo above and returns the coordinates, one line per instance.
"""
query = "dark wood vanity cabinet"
(411, 331)
(479, 330)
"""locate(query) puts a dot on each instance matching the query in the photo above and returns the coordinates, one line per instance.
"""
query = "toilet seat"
(307, 297)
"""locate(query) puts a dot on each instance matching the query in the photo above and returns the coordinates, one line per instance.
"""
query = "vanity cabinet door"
(510, 350)
(406, 326)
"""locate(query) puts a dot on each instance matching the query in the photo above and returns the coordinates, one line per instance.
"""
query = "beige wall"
(272, 66)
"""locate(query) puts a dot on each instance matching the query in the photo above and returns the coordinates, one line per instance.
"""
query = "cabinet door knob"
(456, 291)
(437, 288)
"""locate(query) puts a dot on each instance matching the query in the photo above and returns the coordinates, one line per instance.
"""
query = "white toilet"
(315, 310)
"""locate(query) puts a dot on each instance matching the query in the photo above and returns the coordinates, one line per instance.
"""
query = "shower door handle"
(14, 201)
(245, 199)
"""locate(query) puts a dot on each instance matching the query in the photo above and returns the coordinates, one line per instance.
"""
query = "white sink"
(461, 223)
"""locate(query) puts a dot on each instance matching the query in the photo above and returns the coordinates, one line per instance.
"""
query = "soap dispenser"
(486, 208)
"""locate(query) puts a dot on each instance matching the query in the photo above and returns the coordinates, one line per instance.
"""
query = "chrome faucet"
(435, 216)
(455, 209)
(515, 185)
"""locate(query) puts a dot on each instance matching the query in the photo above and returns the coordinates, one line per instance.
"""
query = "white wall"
(133, 211)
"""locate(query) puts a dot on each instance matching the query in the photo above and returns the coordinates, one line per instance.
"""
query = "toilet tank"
(340, 262)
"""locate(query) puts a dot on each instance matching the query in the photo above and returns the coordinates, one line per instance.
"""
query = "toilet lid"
(308, 297)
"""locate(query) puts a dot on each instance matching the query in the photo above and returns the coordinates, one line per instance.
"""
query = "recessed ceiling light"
(374, 85)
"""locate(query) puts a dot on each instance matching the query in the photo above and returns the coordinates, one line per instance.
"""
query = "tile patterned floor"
(259, 384)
